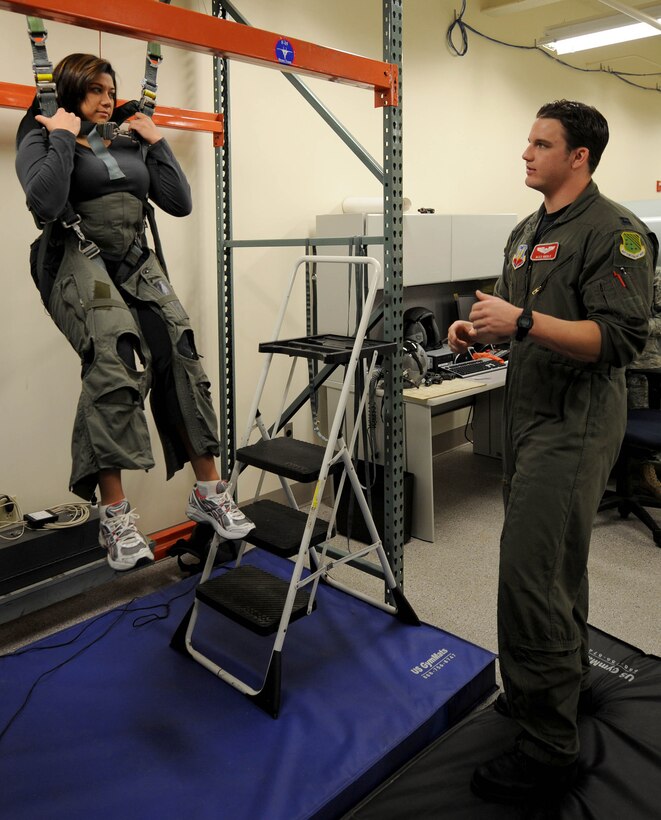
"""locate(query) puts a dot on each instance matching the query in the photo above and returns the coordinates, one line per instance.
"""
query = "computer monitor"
(464, 303)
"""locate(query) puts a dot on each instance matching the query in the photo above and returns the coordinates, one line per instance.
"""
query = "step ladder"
(250, 596)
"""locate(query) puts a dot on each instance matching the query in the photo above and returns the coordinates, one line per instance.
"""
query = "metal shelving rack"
(390, 176)
(226, 40)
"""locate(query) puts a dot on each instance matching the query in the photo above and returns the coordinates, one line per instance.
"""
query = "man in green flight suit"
(574, 299)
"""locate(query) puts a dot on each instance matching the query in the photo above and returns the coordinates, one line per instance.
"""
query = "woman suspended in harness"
(110, 297)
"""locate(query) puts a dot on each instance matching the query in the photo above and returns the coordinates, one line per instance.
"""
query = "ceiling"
(528, 21)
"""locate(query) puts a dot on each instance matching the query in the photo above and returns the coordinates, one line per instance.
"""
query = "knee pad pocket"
(130, 352)
(186, 345)
(110, 378)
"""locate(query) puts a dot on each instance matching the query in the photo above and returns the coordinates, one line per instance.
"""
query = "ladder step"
(279, 529)
(327, 347)
(252, 597)
(287, 457)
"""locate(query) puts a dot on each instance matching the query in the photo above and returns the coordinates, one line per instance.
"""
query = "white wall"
(466, 122)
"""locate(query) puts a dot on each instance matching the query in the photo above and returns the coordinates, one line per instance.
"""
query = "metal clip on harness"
(107, 130)
(85, 246)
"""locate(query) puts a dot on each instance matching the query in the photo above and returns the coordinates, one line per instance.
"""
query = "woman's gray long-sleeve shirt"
(54, 169)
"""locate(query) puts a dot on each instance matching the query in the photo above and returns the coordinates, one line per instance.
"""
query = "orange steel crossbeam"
(150, 20)
(13, 95)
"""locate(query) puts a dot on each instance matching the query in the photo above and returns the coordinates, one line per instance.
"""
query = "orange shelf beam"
(13, 95)
(165, 539)
(185, 120)
(150, 20)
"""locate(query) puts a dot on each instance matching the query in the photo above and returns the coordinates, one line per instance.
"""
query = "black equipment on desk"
(415, 363)
(474, 367)
(420, 326)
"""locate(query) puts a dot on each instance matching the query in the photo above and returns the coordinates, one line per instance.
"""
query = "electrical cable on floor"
(43, 675)
(121, 611)
(461, 51)
(143, 620)
(469, 422)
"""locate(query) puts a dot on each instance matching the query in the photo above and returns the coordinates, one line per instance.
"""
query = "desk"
(486, 393)
(420, 406)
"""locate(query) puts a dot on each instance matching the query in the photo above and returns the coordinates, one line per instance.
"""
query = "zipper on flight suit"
(541, 286)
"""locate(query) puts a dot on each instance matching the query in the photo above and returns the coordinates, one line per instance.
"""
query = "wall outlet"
(288, 429)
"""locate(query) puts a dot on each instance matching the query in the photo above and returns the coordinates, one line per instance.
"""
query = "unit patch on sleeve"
(520, 256)
(541, 253)
(632, 245)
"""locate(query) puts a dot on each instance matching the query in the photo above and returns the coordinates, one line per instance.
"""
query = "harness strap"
(103, 304)
(42, 66)
(41, 281)
(153, 59)
(130, 260)
(47, 99)
(101, 152)
(153, 227)
(167, 299)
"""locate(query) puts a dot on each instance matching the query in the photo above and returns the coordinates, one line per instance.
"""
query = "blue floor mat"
(105, 720)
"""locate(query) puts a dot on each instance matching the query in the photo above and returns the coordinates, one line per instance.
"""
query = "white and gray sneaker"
(126, 545)
(219, 510)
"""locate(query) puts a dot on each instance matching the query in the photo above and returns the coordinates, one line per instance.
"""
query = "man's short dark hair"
(585, 127)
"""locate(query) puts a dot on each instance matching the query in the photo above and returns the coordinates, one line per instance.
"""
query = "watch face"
(523, 325)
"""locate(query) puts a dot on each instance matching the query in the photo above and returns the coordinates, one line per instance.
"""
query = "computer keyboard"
(465, 370)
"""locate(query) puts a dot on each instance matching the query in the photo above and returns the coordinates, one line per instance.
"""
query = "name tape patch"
(542, 253)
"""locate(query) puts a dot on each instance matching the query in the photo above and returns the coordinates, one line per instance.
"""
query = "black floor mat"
(620, 760)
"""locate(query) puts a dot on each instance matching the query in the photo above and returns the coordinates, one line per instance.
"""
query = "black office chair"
(641, 439)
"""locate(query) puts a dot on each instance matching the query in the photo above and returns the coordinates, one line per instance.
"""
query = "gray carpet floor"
(451, 583)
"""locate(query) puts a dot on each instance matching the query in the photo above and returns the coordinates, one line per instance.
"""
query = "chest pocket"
(553, 288)
(543, 272)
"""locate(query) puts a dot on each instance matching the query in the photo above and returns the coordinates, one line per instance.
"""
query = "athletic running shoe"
(126, 545)
(220, 511)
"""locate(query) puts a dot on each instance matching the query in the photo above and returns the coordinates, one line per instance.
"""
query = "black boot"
(515, 777)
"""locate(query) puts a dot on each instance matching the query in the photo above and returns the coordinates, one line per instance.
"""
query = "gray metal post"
(393, 274)
(226, 409)
(393, 298)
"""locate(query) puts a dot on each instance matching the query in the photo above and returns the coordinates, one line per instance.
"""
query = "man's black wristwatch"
(523, 325)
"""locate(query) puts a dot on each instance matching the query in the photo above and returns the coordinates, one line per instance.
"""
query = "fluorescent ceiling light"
(622, 34)
(584, 36)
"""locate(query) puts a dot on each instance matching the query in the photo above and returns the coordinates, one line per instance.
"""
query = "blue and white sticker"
(284, 51)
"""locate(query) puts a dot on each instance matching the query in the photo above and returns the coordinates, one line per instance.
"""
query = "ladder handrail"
(360, 332)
